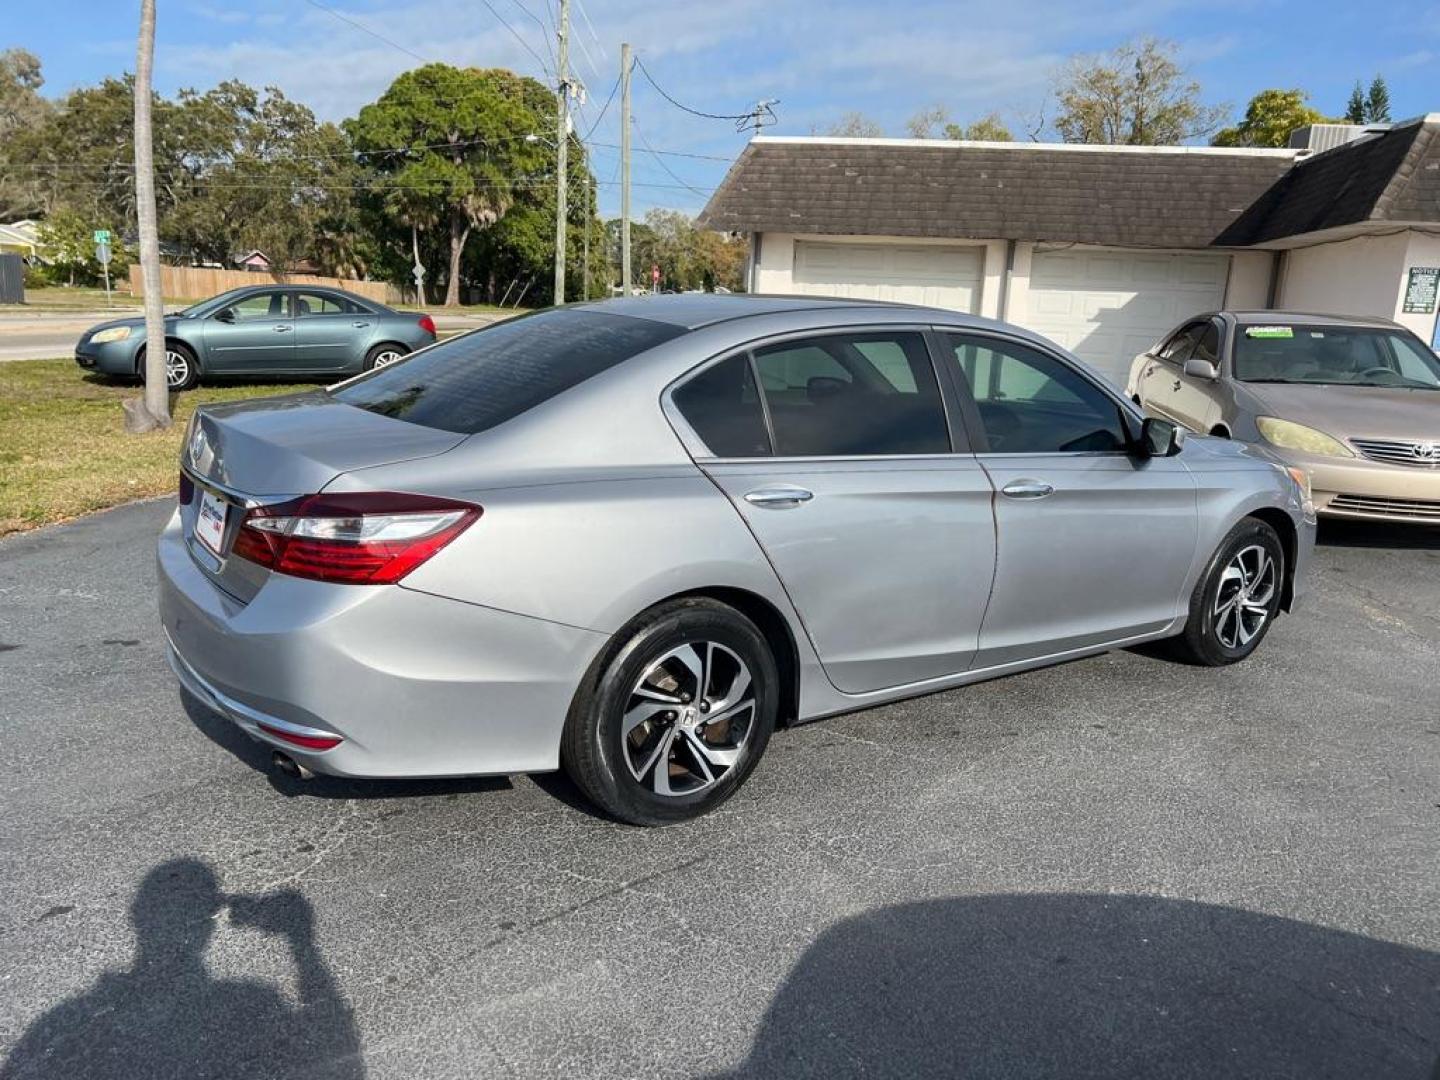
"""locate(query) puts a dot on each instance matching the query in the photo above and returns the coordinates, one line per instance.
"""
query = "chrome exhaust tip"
(289, 766)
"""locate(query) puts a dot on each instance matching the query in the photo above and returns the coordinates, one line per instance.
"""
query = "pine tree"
(1355, 110)
(1377, 103)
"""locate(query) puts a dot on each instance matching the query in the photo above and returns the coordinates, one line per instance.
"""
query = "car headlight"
(115, 333)
(1293, 436)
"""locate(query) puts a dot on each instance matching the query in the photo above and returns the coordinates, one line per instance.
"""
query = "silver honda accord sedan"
(629, 539)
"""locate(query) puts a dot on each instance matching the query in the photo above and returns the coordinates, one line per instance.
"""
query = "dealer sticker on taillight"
(210, 521)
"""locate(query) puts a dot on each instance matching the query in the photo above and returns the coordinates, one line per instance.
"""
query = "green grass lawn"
(80, 298)
(63, 446)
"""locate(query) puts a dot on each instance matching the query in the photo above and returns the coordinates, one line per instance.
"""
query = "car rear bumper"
(414, 684)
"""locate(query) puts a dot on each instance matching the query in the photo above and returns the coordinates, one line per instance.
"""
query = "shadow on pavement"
(226, 735)
(167, 1017)
(1367, 534)
(1099, 986)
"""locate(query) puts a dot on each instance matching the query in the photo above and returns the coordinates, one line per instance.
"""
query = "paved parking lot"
(1119, 867)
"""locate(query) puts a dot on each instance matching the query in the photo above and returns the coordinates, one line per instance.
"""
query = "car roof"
(1308, 318)
(691, 311)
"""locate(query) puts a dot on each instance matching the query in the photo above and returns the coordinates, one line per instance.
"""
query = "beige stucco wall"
(1249, 282)
(1422, 250)
(1364, 275)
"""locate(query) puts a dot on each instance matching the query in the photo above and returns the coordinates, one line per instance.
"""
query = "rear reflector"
(309, 742)
(366, 538)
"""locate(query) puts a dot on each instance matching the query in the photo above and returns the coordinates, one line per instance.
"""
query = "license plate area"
(211, 517)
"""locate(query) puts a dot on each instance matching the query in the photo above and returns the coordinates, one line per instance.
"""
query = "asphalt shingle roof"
(1129, 197)
(1388, 176)
(1132, 197)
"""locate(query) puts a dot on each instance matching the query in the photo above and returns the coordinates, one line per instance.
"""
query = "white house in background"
(20, 238)
(1101, 248)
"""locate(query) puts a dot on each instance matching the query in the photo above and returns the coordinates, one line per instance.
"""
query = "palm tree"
(153, 411)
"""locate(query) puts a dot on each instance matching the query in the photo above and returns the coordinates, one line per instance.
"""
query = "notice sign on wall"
(1420, 289)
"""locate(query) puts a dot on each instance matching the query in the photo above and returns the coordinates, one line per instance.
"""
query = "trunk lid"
(272, 450)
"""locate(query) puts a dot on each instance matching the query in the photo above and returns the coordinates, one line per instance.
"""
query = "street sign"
(102, 252)
(102, 236)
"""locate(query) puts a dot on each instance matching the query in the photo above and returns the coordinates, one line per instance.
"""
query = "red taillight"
(309, 742)
(366, 538)
(427, 324)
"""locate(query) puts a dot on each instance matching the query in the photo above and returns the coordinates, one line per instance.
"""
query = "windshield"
(474, 382)
(1334, 355)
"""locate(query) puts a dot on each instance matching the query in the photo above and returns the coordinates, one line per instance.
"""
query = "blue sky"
(820, 60)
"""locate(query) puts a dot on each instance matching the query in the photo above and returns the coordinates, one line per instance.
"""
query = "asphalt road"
(1118, 868)
(45, 335)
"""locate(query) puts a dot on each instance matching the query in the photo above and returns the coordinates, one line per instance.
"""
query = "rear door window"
(475, 382)
(321, 304)
(723, 405)
(855, 394)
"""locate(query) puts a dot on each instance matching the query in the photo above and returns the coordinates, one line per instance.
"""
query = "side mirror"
(225, 316)
(1201, 369)
(1160, 438)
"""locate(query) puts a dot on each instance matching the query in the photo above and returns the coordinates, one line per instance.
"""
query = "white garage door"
(938, 275)
(1109, 306)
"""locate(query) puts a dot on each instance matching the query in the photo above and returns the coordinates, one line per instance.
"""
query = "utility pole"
(153, 409)
(562, 148)
(625, 65)
(585, 256)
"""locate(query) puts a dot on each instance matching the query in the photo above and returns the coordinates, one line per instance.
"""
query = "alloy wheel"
(177, 368)
(1242, 602)
(688, 719)
(388, 356)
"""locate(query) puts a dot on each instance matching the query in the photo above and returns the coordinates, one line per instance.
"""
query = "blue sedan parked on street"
(262, 330)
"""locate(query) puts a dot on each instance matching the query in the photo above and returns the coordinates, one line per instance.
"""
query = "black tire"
(185, 354)
(1209, 641)
(374, 357)
(604, 760)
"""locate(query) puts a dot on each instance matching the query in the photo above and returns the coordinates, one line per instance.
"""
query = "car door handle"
(1027, 489)
(360, 325)
(778, 498)
(282, 329)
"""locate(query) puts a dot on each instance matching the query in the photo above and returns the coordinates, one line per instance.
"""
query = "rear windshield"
(478, 381)
(1334, 355)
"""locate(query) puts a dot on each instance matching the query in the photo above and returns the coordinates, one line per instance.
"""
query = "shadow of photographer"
(167, 1016)
(1098, 986)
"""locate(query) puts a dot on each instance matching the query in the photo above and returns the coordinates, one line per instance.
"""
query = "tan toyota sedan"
(1355, 402)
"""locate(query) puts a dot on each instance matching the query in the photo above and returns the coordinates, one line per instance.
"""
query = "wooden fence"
(199, 282)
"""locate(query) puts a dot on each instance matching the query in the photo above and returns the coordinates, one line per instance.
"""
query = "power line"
(373, 33)
(513, 33)
(591, 27)
(661, 162)
(126, 167)
(129, 166)
(671, 153)
(609, 98)
(588, 58)
(544, 31)
(686, 108)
